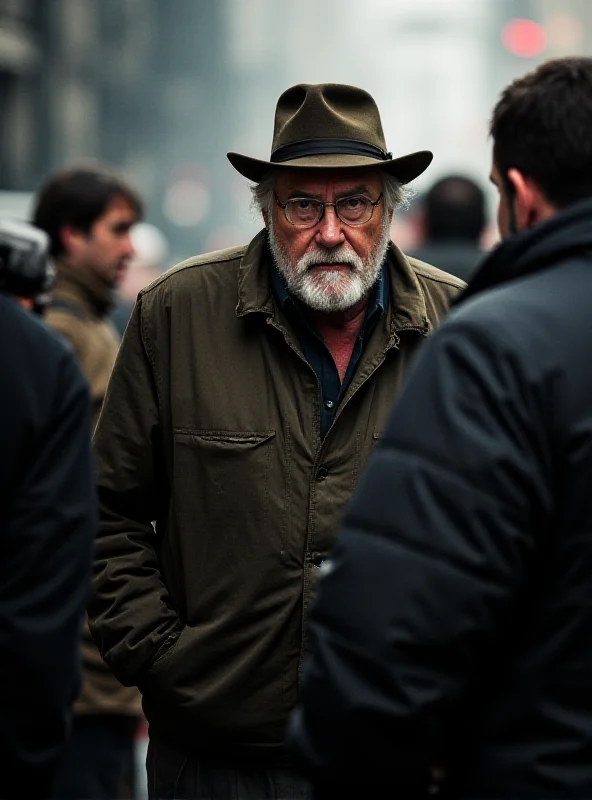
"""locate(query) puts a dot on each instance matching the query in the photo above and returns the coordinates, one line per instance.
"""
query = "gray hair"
(396, 194)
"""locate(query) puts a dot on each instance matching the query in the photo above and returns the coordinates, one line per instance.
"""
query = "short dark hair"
(542, 127)
(78, 196)
(454, 208)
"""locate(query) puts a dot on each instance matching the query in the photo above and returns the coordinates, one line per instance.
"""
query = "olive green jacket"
(219, 500)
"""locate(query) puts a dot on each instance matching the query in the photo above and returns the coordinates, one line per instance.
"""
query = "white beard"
(330, 291)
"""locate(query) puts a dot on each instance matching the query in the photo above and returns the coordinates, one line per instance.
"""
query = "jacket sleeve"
(432, 555)
(48, 530)
(130, 614)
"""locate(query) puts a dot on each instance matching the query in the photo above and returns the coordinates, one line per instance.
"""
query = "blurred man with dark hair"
(88, 213)
(453, 624)
(48, 519)
(453, 219)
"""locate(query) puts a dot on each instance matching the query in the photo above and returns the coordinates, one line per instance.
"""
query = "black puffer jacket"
(48, 521)
(454, 627)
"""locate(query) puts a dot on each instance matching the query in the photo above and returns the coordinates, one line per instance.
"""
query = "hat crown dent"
(326, 110)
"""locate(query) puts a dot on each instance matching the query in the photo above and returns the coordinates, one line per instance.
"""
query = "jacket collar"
(566, 235)
(85, 289)
(407, 305)
(254, 287)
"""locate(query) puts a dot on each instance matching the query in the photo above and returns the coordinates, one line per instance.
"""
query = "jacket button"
(322, 473)
(317, 559)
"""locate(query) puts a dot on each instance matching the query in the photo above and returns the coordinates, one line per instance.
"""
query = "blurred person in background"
(453, 624)
(453, 219)
(88, 213)
(251, 386)
(48, 520)
(147, 263)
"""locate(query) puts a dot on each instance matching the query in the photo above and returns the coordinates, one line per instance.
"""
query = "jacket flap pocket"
(230, 437)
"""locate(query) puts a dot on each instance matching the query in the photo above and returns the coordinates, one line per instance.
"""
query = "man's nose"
(330, 231)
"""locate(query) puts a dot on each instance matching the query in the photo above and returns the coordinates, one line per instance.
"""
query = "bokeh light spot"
(524, 38)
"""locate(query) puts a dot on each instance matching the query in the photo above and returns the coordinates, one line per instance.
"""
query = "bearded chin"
(331, 291)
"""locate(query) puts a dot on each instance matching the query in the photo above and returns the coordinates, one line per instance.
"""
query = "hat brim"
(405, 168)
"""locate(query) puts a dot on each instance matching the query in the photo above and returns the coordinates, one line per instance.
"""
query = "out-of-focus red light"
(524, 38)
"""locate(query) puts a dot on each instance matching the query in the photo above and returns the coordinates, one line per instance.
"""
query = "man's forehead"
(316, 181)
(120, 206)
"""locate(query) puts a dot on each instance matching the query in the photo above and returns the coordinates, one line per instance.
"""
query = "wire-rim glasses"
(306, 212)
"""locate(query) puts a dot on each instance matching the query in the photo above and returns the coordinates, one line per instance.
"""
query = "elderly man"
(252, 385)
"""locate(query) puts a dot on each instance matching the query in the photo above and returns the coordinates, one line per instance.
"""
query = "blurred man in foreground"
(453, 625)
(47, 522)
(453, 218)
(88, 212)
(250, 389)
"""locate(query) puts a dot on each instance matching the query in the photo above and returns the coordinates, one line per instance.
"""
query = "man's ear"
(72, 239)
(265, 213)
(530, 204)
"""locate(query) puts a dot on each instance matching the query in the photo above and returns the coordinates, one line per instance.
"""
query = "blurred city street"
(161, 90)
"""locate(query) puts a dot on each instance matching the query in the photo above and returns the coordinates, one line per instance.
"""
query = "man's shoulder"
(197, 269)
(549, 299)
(511, 321)
(60, 317)
(73, 327)
(26, 328)
(38, 350)
(435, 275)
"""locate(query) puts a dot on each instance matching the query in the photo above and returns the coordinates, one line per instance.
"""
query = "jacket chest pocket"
(222, 493)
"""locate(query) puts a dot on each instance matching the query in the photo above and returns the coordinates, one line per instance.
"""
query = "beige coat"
(81, 303)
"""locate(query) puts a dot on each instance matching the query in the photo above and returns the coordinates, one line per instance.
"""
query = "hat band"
(328, 147)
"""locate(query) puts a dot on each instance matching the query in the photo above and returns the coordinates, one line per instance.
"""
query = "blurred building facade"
(139, 84)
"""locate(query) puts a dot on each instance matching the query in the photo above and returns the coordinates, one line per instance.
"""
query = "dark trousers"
(174, 774)
(98, 761)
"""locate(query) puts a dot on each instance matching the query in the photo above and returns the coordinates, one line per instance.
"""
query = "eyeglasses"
(304, 212)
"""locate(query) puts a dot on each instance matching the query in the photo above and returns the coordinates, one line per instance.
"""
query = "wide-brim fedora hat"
(329, 126)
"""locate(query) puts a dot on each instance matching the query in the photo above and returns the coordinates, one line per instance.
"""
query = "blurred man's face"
(331, 266)
(107, 247)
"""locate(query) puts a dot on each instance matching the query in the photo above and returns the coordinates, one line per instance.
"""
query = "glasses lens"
(354, 210)
(303, 212)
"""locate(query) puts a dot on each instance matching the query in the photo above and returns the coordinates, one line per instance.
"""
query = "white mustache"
(337, 255)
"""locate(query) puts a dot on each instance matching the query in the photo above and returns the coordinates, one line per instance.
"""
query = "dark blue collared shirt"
(314, 348)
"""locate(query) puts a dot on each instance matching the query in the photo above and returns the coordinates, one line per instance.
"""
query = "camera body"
(26, 270)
